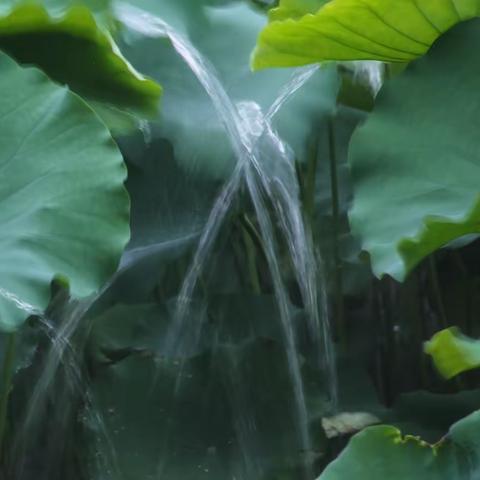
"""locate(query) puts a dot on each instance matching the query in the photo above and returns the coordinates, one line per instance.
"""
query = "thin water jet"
(269, 185)
(61, 358)
(265, 186)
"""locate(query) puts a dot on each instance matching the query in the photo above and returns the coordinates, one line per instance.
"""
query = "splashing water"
(285, 194)
(265, 165)
(369, 72)
(20, 304)
(61, 359)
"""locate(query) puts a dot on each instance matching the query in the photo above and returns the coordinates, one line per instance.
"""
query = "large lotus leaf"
(415, 161)
(453, 353)
(386, 30)
(73, 46)
(237, 371)
(139, 326)
(238, 318)
(199, 428)
(189, 119)
(294, 9)
(101, 9)
(169, 207)
(175, 211)
(63, 207)
(382, 452)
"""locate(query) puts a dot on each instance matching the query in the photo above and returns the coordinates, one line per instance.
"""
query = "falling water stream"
(265, 166)
(61, 358)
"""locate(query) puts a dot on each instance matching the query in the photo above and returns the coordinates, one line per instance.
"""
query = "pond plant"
(239, 239)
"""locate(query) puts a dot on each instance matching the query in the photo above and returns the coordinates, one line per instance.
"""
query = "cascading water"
(283, 190)
(265, 167)
(60, 360)
(264, 164)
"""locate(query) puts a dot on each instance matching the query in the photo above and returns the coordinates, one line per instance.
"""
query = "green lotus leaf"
(294, 9)
(63, 207)
(415, 161)
(73, 46)
(385, 30)
(453, 353)
(101, 9)
(199, 426)
(382, 452)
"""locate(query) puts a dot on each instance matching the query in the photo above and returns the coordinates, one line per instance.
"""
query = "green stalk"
(239, 258)
(386, 355)
(338, 276)
(470, 287)
(253, 232)
(421, 333)
(7, 376)
(300, 179)
(437, 293)
(251, 261)
(310, 181)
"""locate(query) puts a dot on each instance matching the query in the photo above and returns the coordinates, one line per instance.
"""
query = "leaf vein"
(377, 15)
(426, 17)
(362, 35)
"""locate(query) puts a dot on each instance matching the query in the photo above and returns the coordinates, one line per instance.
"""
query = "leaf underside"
(73, 46)
(347, 30)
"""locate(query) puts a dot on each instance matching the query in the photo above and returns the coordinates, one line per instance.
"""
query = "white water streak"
(264, 188)
(248, 143)
(61, 354)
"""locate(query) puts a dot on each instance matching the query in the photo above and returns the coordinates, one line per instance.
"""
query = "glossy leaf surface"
(416, 189)
(63, 208)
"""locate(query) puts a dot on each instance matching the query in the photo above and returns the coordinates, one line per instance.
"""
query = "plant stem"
(385, 360)
(310, 181)
(253, 232)
(470, 287)
(251, 261)
(7, 376)
(437, 291)
(337, 274)
(420, 329)
(300, 179)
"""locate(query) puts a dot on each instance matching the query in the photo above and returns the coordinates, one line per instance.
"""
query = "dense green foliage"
(412, 164)
(106, 190)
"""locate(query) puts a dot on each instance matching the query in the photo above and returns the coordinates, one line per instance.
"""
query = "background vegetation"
(111, 163)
